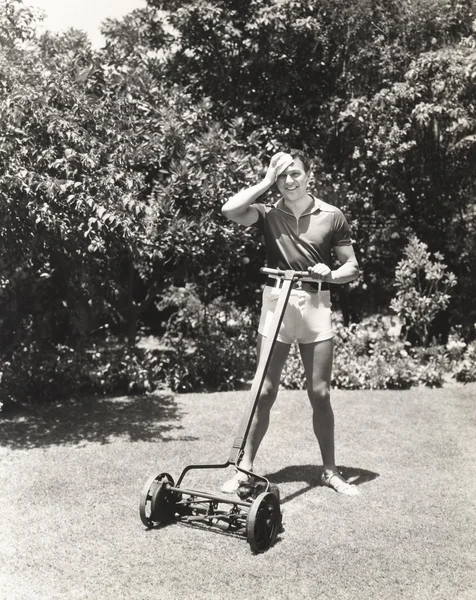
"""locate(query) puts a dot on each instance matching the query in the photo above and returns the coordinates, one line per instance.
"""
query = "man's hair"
(302, 156)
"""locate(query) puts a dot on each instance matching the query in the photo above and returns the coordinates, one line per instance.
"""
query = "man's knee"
(268, 394)
(320, 396)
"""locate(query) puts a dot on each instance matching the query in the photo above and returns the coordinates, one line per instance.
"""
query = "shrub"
(209, 346)
(35, 373)
(432, 364)
(423, 287)
(204, 347)
(465, 370)
(369, 356)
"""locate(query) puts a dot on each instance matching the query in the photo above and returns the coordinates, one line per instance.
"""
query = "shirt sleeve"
(261, 208)
(341, 235)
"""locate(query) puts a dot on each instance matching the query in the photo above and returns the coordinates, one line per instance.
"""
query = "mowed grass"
(72, 473)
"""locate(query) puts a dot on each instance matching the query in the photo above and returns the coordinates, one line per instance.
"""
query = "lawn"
(71, 476)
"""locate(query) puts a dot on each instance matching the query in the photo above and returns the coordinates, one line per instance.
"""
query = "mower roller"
(258, 519)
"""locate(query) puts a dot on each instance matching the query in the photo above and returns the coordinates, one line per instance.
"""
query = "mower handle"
(283, 273)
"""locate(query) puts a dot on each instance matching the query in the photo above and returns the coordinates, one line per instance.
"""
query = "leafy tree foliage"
(108, 185)
(64, 190)
(408, 155)
(284, 63)
(115, 163)
(363, 86)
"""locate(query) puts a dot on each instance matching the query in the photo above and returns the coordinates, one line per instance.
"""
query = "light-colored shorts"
(307, 319)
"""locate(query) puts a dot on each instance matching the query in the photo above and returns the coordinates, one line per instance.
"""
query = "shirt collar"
(315, 205)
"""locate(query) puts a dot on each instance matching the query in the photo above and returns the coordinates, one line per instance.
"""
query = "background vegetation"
(117, 270)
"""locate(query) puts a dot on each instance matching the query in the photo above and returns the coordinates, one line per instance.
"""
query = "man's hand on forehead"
(277, 165)
(283, 162)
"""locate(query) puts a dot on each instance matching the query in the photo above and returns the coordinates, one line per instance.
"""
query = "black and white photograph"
(237, 299)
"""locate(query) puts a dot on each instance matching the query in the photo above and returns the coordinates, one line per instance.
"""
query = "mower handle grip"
(282, 273)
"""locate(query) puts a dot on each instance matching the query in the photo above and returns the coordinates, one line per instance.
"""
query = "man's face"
(292, 183)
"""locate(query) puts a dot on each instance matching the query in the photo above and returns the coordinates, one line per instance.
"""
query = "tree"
(336, 78)
(284, 64)
(407, 157)
(110, 190)
(62, 188)
(423, 290)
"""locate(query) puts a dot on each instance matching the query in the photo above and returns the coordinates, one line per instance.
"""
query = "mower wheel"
(263, 522)
(157, 502)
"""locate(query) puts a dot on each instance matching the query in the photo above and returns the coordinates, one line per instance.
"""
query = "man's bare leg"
(317, 361)
(269, 391)
(260, 422)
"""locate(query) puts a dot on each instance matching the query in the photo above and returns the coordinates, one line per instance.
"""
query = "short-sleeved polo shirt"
(297, 244)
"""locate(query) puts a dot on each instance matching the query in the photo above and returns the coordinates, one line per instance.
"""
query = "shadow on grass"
(93, 419)
(311, 476)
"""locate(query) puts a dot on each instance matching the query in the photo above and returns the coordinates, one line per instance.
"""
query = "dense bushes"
(371, 355)
(207, 346)
(204, 347)
(213, 348)
(38, 373)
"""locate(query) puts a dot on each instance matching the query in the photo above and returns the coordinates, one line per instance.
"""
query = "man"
(299, 233)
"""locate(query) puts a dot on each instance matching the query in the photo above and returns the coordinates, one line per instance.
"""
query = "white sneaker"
(337, 483)
(233, 485)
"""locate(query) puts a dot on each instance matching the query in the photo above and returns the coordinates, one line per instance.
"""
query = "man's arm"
(348, 271)
(238, 208)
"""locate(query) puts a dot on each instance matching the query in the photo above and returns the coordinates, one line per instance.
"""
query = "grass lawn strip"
(71, 483)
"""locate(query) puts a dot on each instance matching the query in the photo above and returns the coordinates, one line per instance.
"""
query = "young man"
(299, 233)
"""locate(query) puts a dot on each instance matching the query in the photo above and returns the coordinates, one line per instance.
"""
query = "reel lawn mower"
(258, 519)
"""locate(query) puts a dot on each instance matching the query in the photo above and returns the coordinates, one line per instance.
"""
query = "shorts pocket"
(271, 294)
